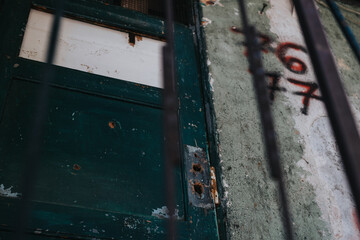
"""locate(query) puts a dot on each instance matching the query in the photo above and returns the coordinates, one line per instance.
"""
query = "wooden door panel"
(97, 153)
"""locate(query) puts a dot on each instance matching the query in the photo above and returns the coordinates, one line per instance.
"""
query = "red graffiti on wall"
(293, 64)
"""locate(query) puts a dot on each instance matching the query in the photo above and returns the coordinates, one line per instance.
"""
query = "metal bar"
(258, 73)
(334, 96)
(260, 86)
(346, 30)
(171, 119)
(33, 150)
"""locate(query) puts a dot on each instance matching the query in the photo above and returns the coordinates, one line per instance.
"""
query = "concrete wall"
(319, 196)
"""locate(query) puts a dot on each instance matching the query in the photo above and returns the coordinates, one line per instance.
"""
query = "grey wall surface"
(319, 197)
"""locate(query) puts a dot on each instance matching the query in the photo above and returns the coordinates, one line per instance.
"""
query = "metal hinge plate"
(198, 176)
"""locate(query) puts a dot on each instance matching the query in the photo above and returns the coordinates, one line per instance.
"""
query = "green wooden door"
(101, 171)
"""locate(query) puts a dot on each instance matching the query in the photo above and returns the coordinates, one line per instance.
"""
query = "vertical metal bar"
(257, 70)
(171, 119)
(334, 96)
(34, 142)
(345, 28)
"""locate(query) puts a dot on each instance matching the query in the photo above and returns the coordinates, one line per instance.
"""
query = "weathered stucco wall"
(319, 197)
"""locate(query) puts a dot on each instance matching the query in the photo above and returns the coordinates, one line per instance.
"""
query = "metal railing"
(34, 144)
(262, 95)
(171, 118)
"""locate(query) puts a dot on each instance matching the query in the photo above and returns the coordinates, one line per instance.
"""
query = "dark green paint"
(78, 132)
(101, 171)
(109, 15)
(91, 83)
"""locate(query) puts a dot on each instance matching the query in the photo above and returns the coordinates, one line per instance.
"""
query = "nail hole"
(197, 167)
(198, 188)
(76, 167)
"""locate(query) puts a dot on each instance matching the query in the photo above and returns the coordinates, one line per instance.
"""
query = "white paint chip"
(6, 192)
(163, 212)
(205, 21)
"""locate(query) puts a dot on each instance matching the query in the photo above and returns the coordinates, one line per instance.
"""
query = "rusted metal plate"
(197, 174)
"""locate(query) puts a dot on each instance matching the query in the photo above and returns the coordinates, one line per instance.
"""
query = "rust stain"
(207, 2)
(112, 124)
(76, 167)
(213, 187)
(140, 85)
(88, 68)
(41, 8)
(138, 38)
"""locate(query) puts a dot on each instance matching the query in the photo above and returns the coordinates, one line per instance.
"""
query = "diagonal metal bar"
(334, 96)
(36, 132)
(261, 90)
(171, 119)
(344, 28)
